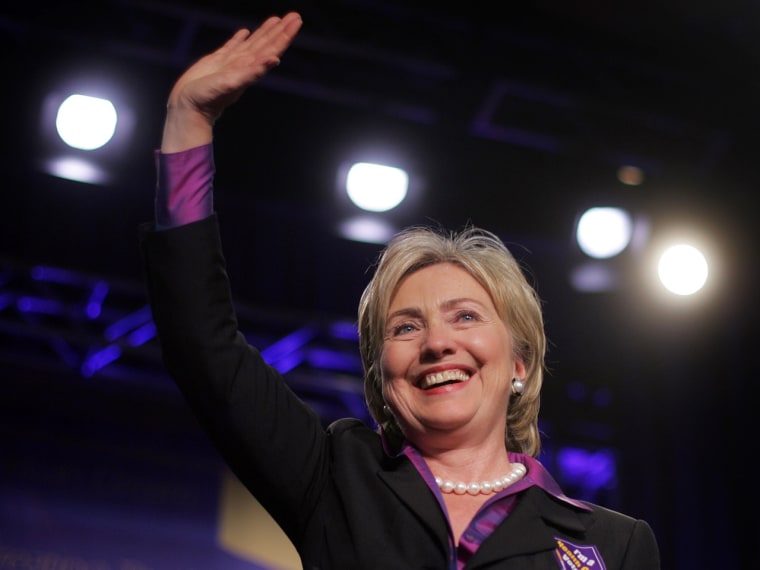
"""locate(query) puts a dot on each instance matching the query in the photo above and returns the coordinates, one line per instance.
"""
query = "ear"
(520, 370)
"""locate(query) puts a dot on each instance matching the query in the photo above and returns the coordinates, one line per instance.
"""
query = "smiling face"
(447, 361)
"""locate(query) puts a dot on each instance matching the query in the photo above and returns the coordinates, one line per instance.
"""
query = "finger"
(291, 24)
(261, 34)
(275, 34)
(237, 38)
(276, 22)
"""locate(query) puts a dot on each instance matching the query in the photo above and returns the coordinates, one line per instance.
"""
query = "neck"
(461, 446)
(474, 463)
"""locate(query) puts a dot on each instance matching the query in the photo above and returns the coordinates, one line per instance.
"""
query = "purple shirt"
(184, 194)
(184, 189)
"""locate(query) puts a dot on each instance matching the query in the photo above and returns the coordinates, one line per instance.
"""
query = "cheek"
(393, 364)
(495, 349)
(490, 343)
(391, 361)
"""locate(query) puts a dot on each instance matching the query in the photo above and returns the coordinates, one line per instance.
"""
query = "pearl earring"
(518, 386)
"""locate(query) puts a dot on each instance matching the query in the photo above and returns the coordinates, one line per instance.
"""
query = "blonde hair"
(484, 256)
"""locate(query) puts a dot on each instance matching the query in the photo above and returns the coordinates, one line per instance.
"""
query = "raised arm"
(218, 79)
(242, 403)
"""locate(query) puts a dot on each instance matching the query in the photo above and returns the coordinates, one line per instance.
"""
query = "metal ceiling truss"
(56, 318)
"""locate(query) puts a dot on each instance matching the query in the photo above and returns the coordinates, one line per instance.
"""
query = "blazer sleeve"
(628, 543)
(643, 552)
(271, 440)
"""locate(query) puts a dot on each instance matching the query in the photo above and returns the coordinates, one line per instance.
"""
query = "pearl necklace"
(486, 487)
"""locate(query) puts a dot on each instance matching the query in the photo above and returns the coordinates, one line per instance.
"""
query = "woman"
(452, 341)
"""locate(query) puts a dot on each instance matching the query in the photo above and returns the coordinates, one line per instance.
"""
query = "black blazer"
(343, 502)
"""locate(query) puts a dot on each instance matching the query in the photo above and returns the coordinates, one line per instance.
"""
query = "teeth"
(446, 376)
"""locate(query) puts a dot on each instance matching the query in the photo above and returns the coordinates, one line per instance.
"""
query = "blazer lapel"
(404, 480)
(530, 528)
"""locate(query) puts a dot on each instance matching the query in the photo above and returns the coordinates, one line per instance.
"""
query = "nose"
(438, 341)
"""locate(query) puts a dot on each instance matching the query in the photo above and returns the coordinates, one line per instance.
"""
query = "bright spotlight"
(604, 232)
(376, 187)
(85, 122)
(682, 269)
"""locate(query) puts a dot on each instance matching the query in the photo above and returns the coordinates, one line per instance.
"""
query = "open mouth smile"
(442, 378)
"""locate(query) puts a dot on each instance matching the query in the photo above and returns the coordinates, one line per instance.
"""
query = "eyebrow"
(410, 312)
(447, 306)
(453, 303)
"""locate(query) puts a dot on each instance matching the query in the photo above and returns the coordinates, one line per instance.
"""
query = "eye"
(467, 316)
(403, 328)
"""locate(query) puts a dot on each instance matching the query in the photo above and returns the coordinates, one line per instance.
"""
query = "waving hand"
(219, 78)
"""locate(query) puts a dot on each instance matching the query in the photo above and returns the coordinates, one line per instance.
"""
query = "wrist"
(185, 129)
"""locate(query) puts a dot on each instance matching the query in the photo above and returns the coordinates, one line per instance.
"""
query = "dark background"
(512, 118)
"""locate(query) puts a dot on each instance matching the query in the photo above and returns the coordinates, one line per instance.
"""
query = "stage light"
(379, 186)
(590, 470)
(366, 229)
(683, 269)
(376, 187)
(86, 122)
(78, 169)
(604, 232)
(594, 277)
(630, 175)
